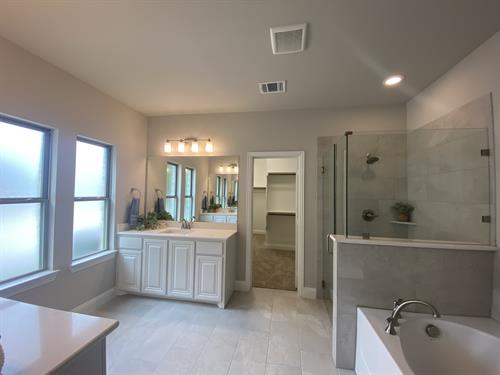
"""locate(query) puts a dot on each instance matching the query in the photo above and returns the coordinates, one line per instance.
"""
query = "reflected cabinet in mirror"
(199, 188)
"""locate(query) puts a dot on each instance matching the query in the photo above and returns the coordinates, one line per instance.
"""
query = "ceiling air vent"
(272, 87)
(288, 39)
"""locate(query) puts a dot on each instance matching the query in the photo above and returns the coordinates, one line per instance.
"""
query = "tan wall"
(239, 133)
(37, 91)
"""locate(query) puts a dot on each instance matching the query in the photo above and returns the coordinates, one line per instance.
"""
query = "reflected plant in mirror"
(193, 188)
(403, 211)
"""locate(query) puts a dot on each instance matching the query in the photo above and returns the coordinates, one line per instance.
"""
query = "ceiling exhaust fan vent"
(288, 39)
(274, 87)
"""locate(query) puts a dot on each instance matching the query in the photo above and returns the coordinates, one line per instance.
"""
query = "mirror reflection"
(194, 188)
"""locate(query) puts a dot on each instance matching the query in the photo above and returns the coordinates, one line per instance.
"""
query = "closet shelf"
(281, 213)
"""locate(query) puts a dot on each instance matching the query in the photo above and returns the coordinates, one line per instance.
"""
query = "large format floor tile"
(262, 332)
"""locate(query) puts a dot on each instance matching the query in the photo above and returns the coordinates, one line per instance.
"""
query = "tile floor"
(261, 332)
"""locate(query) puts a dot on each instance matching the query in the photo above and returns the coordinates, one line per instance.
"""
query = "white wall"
(476, 75)
(239, 133)
(37, 91)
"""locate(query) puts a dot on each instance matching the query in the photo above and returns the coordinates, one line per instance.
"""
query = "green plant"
(164, 216)
(403, 208)
(214, 207)
(150, 221)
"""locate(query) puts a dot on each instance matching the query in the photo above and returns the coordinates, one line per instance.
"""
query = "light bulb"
(194, 146)
(221, 168)
(181, 146)
(228, 169)
(167, 147)
(236, 169)
(393, 80)
(209, 146)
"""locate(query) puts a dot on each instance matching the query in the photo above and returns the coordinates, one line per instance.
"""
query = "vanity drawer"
(209, 248)
(134, 243)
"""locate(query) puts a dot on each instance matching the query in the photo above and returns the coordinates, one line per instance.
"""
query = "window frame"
(43, 199)
(191, 193)
(176, 195)
(106, 198)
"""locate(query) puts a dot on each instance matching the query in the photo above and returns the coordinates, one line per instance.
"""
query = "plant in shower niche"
(403, 211)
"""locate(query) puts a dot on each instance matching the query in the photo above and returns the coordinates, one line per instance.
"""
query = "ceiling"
(171, 57)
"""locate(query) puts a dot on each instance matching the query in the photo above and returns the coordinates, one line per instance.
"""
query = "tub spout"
(393, 320)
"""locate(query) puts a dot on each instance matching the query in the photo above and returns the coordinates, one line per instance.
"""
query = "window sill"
(92, 260)
(23, 284)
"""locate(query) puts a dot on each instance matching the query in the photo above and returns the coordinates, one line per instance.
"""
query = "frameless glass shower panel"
(449, 184)
(376, 180)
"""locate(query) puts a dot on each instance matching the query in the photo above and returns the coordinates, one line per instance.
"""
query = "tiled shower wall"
(376, 186)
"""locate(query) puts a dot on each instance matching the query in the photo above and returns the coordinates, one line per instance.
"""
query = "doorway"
(275, 225)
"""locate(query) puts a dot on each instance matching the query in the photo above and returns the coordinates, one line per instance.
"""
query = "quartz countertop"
(195, 233)
(220, 213)
(38, 340)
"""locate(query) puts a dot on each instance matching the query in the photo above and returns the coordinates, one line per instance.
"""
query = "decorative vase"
(404, 217)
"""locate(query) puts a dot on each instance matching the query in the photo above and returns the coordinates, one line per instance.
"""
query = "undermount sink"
(185, 232)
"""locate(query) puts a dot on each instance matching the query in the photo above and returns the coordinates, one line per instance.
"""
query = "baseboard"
(309, 293)
(241, 286)
(96, 302)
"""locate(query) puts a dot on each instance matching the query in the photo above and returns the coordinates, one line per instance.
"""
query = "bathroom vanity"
(195, 264)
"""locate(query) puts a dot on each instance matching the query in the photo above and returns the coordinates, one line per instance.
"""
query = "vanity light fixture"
(229, 168)
(194, 144)
(209, 146)
(393, 80)
(167, 147)
(181, 146)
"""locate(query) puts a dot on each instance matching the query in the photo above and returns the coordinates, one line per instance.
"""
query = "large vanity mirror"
(200, 188)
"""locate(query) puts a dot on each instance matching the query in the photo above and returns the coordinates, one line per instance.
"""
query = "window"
(92, 195)
(24, 198)
(172, 196)
(189, 193)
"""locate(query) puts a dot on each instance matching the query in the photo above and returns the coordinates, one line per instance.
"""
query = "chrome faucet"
(185, 224)
(393, 320)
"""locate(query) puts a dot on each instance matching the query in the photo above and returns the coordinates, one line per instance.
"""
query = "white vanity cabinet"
(199, 266)
(219, 217)
(181, 269)
(154, 266)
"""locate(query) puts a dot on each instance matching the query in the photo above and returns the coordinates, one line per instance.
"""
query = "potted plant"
(403, 211)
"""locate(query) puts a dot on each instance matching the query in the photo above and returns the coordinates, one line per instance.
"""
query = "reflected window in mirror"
(172, 196)
(189, 193)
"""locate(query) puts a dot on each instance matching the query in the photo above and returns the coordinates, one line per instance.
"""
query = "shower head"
(370, 159)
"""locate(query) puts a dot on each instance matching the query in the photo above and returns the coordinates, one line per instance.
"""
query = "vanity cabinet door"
(208, 276)
(129, 270)
(181, 269)
(154, 267)
(219, 218)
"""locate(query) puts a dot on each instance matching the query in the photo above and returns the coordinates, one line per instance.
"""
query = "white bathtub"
(466, 345)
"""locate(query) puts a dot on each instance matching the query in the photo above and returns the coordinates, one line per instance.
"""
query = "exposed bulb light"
(236, 169)
(167, 147)
(393, 80)
(194, 146)
(209, 146)
(221, 168)
(181, 146)
(228, 169)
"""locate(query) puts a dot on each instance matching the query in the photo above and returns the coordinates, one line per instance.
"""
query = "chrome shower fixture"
(371, 159)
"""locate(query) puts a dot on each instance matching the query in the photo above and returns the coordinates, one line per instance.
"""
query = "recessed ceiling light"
(393, 80)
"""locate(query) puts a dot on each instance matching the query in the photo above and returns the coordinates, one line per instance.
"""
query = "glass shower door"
(328, 187)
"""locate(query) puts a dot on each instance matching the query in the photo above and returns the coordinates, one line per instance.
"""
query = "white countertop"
(195, 233)
(37, 340)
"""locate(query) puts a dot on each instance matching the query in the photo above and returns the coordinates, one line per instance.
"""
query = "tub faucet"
(393, 320)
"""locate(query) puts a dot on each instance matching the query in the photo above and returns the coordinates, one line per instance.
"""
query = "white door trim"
(299, 216)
